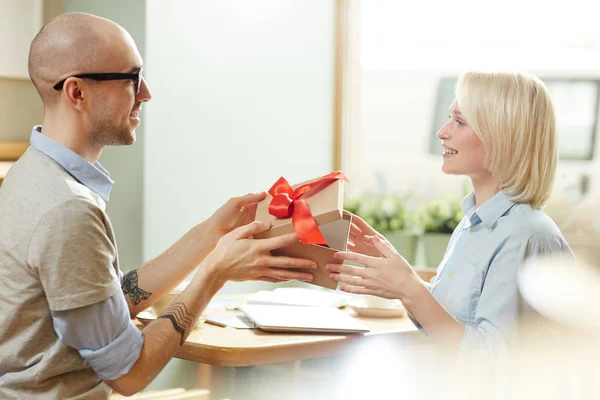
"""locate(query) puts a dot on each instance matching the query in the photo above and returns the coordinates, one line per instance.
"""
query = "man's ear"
(74, 90)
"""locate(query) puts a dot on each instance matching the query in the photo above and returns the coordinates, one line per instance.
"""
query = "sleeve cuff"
(118, 357)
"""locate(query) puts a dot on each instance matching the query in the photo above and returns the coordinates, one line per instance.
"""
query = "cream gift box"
(323, 199)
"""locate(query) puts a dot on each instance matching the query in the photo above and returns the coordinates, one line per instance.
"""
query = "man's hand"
(238, 211)
(237, 257)
(166, 271)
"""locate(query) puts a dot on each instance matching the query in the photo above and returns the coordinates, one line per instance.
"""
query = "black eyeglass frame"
(107, 76)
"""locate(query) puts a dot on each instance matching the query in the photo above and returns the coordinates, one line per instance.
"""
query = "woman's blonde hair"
(513, 115)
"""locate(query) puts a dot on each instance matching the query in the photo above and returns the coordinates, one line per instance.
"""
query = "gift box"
(313, 209)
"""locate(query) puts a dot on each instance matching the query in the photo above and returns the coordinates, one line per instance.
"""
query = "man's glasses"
(108, 76)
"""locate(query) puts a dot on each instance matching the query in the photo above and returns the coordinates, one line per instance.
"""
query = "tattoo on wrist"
(130, 287)
(181, 319)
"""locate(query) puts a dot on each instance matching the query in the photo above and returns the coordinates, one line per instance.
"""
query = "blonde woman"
(501, 134)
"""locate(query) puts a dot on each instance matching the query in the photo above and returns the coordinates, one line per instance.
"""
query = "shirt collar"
(94, 176)
(490, 211)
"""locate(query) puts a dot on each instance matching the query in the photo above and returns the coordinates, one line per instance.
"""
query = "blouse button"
(449, 274)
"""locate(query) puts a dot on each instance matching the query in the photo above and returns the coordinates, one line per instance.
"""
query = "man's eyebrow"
(135, 69)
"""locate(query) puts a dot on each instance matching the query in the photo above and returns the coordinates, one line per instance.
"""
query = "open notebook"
(298, 297)
(302, 319)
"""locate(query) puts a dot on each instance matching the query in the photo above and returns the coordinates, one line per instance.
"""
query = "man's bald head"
(71, 44)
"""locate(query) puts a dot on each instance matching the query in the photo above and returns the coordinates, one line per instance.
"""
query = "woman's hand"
(359, 229)
(389, 276)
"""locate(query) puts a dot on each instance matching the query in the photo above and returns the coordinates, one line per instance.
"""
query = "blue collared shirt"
(94, 176)
(477, 280)
(103, 332)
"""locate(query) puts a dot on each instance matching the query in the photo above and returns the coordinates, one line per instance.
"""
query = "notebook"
(302, 319)
(298, 297)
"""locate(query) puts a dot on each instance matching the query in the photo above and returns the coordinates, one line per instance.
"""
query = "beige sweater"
(57, 252)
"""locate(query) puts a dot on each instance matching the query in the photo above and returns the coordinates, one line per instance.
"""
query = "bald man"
(65, 307)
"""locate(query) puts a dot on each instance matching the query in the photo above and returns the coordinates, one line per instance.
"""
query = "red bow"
(290, 203)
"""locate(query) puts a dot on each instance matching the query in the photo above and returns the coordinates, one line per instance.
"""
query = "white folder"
(302, 319)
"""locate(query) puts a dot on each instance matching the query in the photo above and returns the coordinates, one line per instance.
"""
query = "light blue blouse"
(477, 280)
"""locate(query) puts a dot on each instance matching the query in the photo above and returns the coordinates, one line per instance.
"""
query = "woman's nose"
(443, 132)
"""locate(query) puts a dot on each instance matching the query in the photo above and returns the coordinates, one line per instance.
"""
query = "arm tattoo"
(130, 287)
(181, 319)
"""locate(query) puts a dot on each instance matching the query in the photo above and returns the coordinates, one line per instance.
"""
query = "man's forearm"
(145, 285)
(164, 336)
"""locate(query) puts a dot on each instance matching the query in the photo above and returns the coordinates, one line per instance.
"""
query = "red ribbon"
(290, 203)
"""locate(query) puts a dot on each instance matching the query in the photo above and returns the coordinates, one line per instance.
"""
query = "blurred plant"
(441, 216)
(384, 214)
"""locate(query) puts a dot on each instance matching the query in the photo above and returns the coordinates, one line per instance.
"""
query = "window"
(575, 104)
(401, 68)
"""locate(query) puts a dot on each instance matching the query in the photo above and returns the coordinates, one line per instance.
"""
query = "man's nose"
(144, 94)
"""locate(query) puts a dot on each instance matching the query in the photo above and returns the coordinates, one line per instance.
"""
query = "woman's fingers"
(383, 246)
(369, 241)
(360, 228)
(347, 269)
(355, 230)
(365, 260)
(357, 290)
(362, 225)
(350, 280)
(365, 228)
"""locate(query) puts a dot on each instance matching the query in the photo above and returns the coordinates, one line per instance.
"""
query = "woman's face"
(463, 151)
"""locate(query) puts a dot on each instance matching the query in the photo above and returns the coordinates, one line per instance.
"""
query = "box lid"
(325, 206)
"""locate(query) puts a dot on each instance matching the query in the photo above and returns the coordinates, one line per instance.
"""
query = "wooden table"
(231, 347)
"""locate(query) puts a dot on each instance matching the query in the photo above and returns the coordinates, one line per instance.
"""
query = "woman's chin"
(447, 169)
